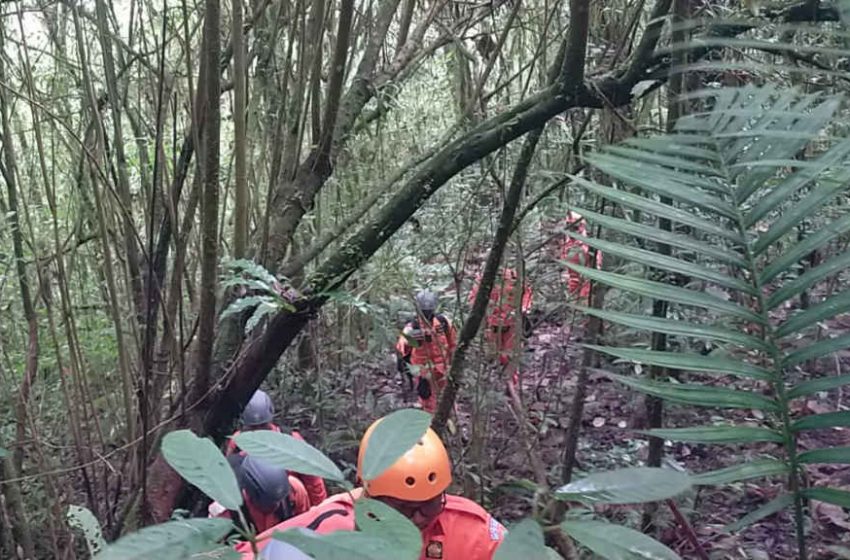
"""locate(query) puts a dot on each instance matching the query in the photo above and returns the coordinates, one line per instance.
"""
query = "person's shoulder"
(473, 515)
(466, 507)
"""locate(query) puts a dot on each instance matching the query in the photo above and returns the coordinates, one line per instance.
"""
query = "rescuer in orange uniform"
(577, 252)
(501, 316)
(270, 494)
(428, 343)
(258, 415)
(452, 527)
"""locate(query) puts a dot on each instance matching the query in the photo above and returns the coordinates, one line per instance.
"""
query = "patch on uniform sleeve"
(434, 550)
(496, 529)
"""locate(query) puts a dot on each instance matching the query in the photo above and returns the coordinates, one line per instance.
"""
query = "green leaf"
(809, 279)
(678, 328)
(829, 495)
(817, 385)
(675, 144)
(783, 191)
(615, 542)
(662, 291)
(3, 452)
(654, 180)
(744, 471)
(812, 242)
(285, 451)
(698, 395)
(264, 309)
(768, 509)
(83, 519)
(672, 162)
(524, 540)
(668, 264)
(793, 215)
(687, 362)
(386, 536)
(175, 540)
(380, 520)
(826, 309)
(252, 269)
(658, 235)
(821, 421)
(242, 304)
(626, 486)
(716, 434)
(829, 455)
(654, 208)
(200, 462)
(392, 438)
(817, 350)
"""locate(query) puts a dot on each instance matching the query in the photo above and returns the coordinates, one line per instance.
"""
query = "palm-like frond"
(742, 176)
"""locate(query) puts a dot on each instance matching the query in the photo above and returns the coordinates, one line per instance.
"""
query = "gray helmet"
(259, 410)
(265, 484)
(426, 300)
(279, 550)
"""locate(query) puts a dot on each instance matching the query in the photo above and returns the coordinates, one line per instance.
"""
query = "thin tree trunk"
(240, 144)
(211, 114)
(17, 510)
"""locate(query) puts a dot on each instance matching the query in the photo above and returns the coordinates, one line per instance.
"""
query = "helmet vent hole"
(410, 481)
(432, 476)
(420, 442)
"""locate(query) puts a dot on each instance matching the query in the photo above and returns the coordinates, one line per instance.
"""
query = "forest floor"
(493, 472)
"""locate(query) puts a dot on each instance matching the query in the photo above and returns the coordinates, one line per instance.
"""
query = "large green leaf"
(698, 395)
(626, 486)
(831, 455)
(793, 215)
(175, 540)
(524, 540)
(380, 520)
(678, 328)
(829, 495)
(821, 421)
(383, 534)
(394, 436)
(200, 462)
(83, 519)
(809, 279)
(781, 192)
(636, 152)
(744, 471)
(615, 542)
(289, 453)
(668, 264)
(817, 385)
(826, 309)
(654, 208)
(687, 362)
(812, 242)
(666, 292)
(717, 434)
(688, 145)
(817, 350)
(652, 179)
(688, 243)
(768, 509)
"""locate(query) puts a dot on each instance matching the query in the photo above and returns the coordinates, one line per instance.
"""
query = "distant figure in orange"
(501, 315)
(577, 252)
(427, 342)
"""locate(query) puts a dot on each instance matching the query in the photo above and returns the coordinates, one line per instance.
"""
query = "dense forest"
(623, 225)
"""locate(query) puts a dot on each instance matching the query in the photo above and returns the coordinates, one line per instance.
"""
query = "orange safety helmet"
(573, 217)
(422, 473)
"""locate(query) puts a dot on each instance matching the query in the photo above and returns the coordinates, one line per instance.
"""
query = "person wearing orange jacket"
(501, 316)
(269, 494)
(428, 343)
(577, 252)
(258, 415)
(452, 527)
